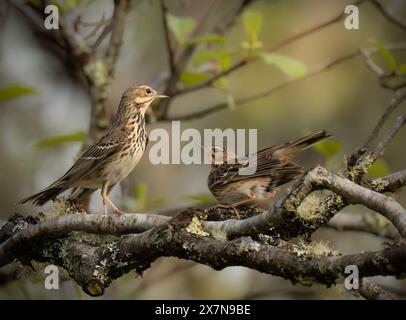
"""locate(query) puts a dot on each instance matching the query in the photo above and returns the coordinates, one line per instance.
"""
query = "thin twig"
(388, 15)
(366, 223)
(311, 72)
(171, 56)
(371, 64)
(378, 151)
(275, 47)
(394, 103)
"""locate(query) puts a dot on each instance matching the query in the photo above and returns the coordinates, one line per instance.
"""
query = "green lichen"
(196, 227)
(312, 206)
(379, 184)
(98, 72)
(361, 168)
(310, 250)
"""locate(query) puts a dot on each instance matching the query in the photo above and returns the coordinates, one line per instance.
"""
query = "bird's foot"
(233, 207)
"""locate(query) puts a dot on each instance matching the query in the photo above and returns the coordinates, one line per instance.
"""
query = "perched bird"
(273, 168)
(112, 157)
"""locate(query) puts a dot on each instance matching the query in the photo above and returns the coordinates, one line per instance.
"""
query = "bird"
(112, 157)
(274, 167)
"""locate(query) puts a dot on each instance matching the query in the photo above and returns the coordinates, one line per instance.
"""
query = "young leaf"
(58, 140)
(252, 21)
(15, 92)
(203, 56)
(181, 27)
(192, 78)
(379, 169)
(225, 62)
(293, 68)
(387, 55)
(328, 148)
(206, 38)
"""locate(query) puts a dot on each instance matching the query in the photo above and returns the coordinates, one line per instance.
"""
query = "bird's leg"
(105, 197)
(235, 205)
(117, 210)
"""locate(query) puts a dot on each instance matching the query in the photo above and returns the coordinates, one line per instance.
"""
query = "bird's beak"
(161, 96)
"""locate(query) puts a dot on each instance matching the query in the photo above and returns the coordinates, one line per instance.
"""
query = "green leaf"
(192, 78)
(15, 92)
(59, 140)
(203, 56)
(387, 55)
(252, 21)
(225, 62)
(401, 69)
(206, 38)
(181, 27)
(200, 198)
(328, 148)
(293, 68)
(379, 168)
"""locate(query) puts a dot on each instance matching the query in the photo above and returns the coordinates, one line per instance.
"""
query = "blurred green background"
(345, 99)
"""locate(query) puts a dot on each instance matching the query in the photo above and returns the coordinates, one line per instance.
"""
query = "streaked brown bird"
(273, 168)
(111, 158)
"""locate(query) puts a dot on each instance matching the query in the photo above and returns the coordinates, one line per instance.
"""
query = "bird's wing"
(96, 155)
(280, 172)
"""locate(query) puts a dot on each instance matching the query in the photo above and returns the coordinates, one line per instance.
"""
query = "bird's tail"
(309, 140)
(49, 193)
(291, 149)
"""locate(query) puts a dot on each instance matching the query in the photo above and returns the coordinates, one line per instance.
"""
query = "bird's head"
(140, 97)
(220, 155)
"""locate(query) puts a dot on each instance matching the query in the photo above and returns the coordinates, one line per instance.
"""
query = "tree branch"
(388, 15)
(171, 56)
(371, 291)
(394, 103)
(275, 47)
(100, 265)
(367, 223)
(221, 106)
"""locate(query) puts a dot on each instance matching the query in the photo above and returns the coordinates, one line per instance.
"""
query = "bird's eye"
(148, 91)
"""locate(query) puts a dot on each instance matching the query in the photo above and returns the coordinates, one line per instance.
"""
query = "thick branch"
(95, 266)
(355, 193)
(371, 291)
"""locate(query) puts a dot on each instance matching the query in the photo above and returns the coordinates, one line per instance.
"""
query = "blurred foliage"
(206, 38)
(143, 201)
(293, 68)
(201, 199)
(62, 139)
(380, 168)
(193, 78)
(328, 148)
(181, 27)
(16, 91)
